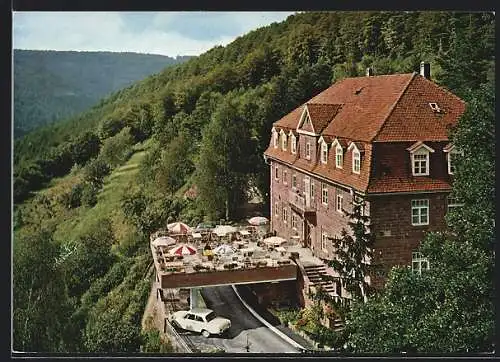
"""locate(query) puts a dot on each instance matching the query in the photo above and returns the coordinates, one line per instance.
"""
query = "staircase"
(315, 274)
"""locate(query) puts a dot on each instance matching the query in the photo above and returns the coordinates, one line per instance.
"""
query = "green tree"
(448, 308)
(117, 149)
(222, 168)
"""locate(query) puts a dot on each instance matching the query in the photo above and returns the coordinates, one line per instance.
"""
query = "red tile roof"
(322, 114)
(387, 108)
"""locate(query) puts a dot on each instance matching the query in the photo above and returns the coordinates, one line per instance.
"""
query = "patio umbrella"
(178, 228)
(224, 249)
(183, 250)
(223, 230)
(258, 220)
(274, 240)
(163, 241)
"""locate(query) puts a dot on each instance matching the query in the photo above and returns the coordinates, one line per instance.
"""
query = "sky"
(166, 33)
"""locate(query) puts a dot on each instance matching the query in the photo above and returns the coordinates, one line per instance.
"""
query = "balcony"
(298, 202)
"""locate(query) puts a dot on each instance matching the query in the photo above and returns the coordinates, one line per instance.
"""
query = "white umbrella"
(183, 250)
(163, 241)
(224, 249)
(178, 228)
(275, 240)
(258, 220)
(223, 230)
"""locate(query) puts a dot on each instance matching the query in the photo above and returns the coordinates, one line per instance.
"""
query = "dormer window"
(419, 154)
(308, 150)
(324, 152)
(435, 107)
(294, 144)
(275, 139)
(451, 153)
(356, 156)
(339, 153)
(283, 142)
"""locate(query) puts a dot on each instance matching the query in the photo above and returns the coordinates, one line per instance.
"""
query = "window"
(276, 211)
(420, 212)
(339, 157)
(294, 144)
(451, 164)
(312, 190)
(338, 207)
(275, 139)
(324, 240)
(294, 180)
(452, 202)
(356, 161)
(418, 262)
(285, 177)
(435, 107)
(324, 194)
(294, 221)
(308, 150)
(421, 164)
(283, 142)
(285, 215)
(276, 173)
(324, 152)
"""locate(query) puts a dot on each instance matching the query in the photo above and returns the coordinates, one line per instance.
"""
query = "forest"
(187, 143)
(51, 86)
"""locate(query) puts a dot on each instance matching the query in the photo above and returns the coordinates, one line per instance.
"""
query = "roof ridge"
(445, 90)
(394, 106)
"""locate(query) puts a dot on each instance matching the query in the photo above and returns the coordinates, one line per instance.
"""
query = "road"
(244, 327)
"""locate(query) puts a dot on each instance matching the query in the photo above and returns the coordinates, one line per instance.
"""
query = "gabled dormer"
(284, 140)
(323, 144)
(293, 141)
(305, 125)
(356, 149)
(274, 134)
(338, 148)
(451, 152)
(420, 159)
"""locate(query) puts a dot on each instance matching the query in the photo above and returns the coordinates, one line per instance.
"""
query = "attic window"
(435, 107)
(358, 91)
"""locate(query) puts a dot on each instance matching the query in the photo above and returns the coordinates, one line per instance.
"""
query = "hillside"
(53, 85)
(186, 144)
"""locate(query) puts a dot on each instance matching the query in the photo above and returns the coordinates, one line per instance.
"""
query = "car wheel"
(205, 333)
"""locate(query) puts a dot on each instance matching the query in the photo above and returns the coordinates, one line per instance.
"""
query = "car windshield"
(210, 316)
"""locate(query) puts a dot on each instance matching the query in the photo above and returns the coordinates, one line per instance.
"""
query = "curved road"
(244, 326)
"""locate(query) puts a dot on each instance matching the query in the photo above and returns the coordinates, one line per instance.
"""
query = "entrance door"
(307, 190)
(307, 234)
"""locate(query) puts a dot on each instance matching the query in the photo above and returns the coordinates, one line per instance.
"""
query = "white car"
(200, 320)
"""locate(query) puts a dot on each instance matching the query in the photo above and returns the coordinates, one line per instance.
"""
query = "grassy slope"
(115, 186)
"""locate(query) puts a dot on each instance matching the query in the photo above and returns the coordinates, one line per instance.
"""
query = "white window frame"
(312, 190)
(451, 203)
(339, 156)
(356, 161)
(285, 215)
(339, 203)
(308, 150)
(275, 138)
(285, 176)
(283, 142)
(294, 180)
(324, 239)
(324, 194)
(416, 163)
(294, 144)
(276, 209)
(449, 158)
(419, 262)
(324, 152)
(417, 210)
(294, 221)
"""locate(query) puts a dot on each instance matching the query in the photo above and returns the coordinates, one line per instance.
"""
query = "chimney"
(369, 72)
(425, 70)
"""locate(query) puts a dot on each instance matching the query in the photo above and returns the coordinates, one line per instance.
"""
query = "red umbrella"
(183, 250)
(178, 228)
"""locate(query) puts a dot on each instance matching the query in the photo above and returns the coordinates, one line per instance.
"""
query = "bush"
(89, 195)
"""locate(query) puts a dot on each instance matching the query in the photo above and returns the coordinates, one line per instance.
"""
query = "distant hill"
(53, 85)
